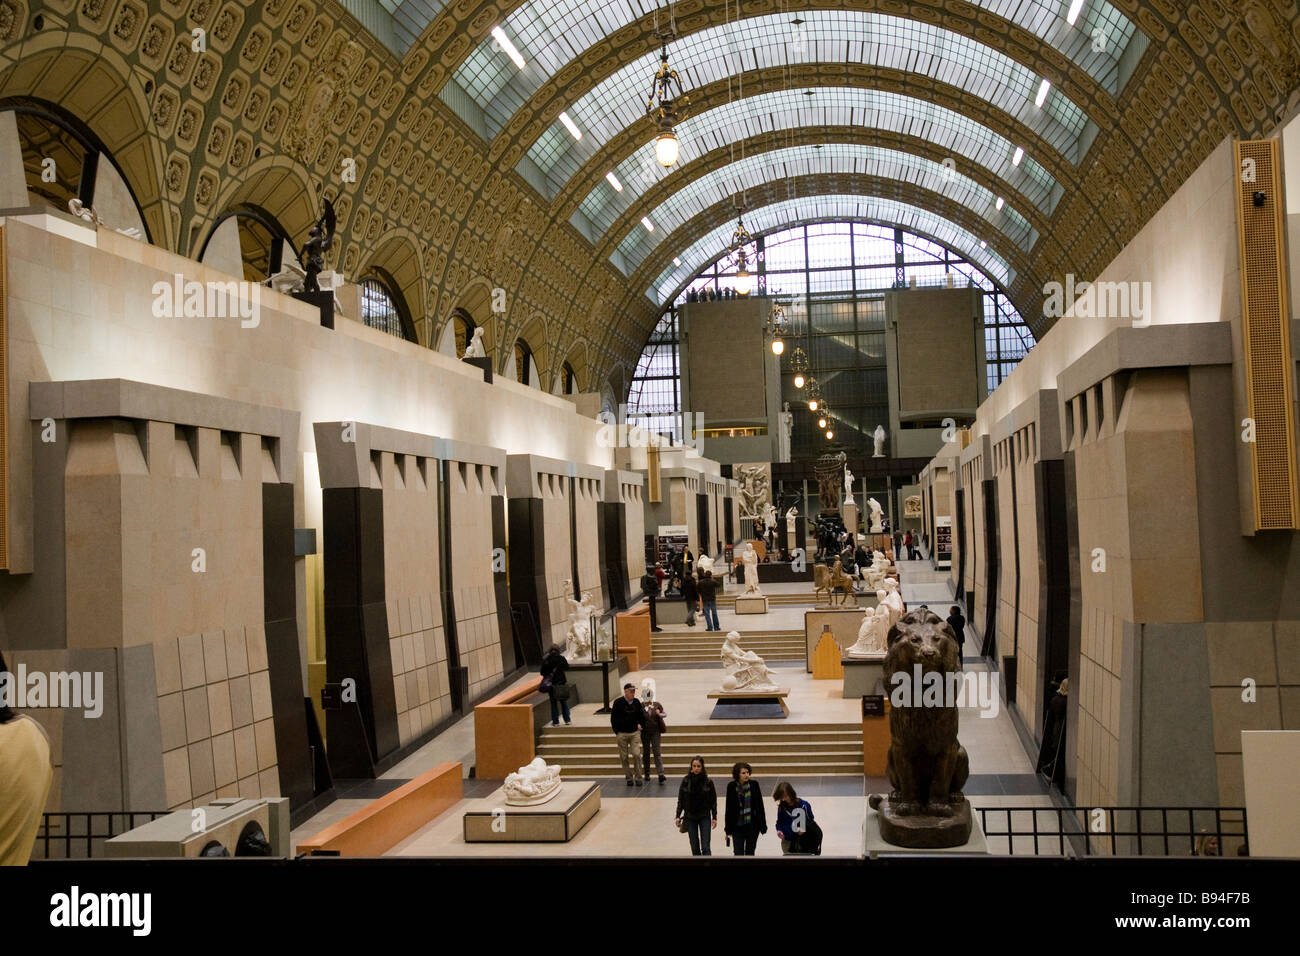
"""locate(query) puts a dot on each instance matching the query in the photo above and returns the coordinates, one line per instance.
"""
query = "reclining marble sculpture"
(532, 784)
(871, 635)
(926, 765)
(745, 670)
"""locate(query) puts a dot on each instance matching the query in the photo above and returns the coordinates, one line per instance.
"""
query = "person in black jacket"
(958, 625)
(554, 665)
(697, 805)
(708, 589)
(627, 717)
(691, 595)
(745, 817)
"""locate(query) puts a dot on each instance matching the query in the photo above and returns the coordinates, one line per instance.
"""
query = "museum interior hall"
(862, 431)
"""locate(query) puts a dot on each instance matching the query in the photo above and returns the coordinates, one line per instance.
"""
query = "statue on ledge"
(475, 347)
(321, 240)
(877, 516)
(878, 437)
(749, 557)
(577, 645)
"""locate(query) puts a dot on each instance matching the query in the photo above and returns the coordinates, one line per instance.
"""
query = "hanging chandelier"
(814, 394)
(799, 365)
(775, 328)
(664, 105)
(739, 240)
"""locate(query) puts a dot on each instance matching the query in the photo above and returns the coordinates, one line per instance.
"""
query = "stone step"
(677, 741)
(720, 765)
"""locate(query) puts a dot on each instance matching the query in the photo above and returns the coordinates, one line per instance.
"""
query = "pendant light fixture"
(799, 365)
(667, 99)
(775, 328)
(744, 281)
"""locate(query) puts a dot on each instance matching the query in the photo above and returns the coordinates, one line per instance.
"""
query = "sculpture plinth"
(922, 832)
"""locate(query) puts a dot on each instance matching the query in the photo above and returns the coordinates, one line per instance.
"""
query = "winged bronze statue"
(312, 257)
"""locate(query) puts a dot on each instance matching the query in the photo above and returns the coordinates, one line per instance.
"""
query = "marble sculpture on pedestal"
(877, 516)
(878, 437)
(475, 347)
(749, 557)
(532, 784)
(848, 487)
(577, 645)
(872, 633)
(745, 669)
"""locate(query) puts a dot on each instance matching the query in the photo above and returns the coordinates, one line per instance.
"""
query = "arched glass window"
(264, 246)
(381, 309)
(523, 359)
(568, 380)
(464, 325)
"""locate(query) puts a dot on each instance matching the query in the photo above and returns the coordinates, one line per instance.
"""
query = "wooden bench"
(382, 824)
(503, 732)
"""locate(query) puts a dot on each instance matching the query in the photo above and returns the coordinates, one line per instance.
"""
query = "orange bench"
(382, 824)
(503, 732)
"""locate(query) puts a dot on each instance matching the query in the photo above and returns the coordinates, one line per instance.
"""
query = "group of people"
(698, 591)
(711, 294)
(640, 726)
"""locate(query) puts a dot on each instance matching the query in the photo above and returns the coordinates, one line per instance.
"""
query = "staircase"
(807, 599)
(706, 649)
(779, 749)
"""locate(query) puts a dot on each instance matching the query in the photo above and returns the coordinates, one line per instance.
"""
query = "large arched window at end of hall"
(383, 308)
(63, 160)
(834, 275)
(247, 240)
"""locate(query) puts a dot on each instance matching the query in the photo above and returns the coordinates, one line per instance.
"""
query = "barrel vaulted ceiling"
(467, 179)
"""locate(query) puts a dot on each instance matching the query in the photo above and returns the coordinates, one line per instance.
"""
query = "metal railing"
(1112, 831)
(81, 836)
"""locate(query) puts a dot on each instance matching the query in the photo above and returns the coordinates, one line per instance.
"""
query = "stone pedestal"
(863, 676)
(921, 831)
(749, 705)
(850, 513)
(586, 678)
(558, 820)
(484, 364)
(874, 842)
(751, 604)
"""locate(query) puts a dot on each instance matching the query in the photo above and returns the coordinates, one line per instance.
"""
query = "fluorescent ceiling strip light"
(571, 126)
(1075, 7)
(511, 50)
(1020, 154)
(649, 226)
(613, 181)
(1041, 98)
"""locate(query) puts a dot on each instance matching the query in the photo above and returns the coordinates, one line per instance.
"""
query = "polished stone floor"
(639, 821)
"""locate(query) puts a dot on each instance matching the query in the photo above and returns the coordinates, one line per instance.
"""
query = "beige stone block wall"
(559, 566)
(588, 494)
(1139, 548)
(1028, 692)
(976, 577)
(416, 641)
(1007, 546)
(140, 499)
(633, 498)
(478, 632)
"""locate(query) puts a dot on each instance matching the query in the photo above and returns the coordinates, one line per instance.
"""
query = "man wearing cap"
(628, 717)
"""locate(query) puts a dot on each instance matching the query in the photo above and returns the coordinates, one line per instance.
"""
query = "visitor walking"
(798, 831)
(907, 546)
(628, 718)
(651, 732)
(708, 589)
(958, 625)
(554, 666)
(691, 595)
(745, 817)
(697, 808)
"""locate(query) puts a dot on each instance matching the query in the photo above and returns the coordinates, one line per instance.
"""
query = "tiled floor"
(639, 821)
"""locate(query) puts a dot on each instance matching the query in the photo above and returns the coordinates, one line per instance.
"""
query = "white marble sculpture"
(877, 575)
(532, 784)
(749, 557)
(878, 436)
(578, 640)
(877, 516)
(745, 669)
(848, 487)
(789, 519)
(787, 429)
(872, 634)
(704, 564)
(475, 347)
(892, 604)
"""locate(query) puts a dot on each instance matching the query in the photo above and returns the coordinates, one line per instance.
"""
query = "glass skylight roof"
(701, 58)
(556, 32)
(966, 140)
(752, 171)
(783, 214)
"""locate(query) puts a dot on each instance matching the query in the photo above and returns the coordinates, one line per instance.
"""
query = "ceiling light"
(821, 422)
(649, 226)
(1020, 154)
(1041, 98)
(983, 244)
(676, 261)
(812, 404)
(1073, 15)
(1001, 202)
(778, 347)
(511, 50)
(744, 283)
(830, 434)
(667, 148)
(613, 180)
(798, 380)
(571, 126)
